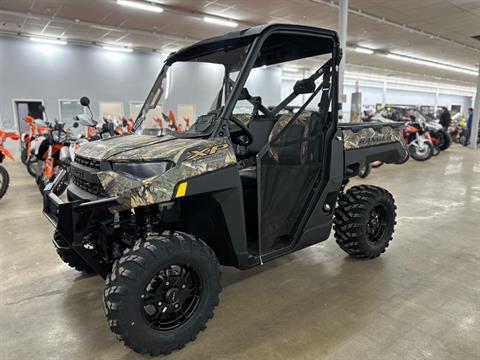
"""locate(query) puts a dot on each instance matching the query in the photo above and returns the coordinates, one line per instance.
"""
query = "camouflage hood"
(191, 156)
(107, 148)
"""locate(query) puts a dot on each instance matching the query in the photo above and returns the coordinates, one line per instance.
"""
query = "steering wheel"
(243, 136)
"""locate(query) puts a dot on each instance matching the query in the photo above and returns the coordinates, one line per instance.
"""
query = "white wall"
(36, 71)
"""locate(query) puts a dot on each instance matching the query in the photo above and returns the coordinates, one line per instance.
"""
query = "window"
(111, 110)
(69, 109)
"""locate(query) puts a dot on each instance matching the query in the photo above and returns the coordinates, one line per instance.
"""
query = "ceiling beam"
(403, 27)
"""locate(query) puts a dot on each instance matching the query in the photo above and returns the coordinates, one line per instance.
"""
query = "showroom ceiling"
(440, 30)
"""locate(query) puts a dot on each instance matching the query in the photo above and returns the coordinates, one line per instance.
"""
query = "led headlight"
(143, 170)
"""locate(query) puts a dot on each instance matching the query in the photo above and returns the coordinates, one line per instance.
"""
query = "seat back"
(260, 129)
(289, 147)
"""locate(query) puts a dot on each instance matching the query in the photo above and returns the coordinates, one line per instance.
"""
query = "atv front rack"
(73, 220)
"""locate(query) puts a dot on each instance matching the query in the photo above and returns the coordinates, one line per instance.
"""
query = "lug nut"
(167, 283)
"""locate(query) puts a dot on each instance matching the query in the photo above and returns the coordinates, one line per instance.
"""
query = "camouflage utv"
(156, 214)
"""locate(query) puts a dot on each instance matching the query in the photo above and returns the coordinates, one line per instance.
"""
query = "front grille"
(92, 188)
(84, 175)
(93, 164)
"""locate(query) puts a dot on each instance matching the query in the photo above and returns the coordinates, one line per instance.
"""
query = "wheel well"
(203, 216)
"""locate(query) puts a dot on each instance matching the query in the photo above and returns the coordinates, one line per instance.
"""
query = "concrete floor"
(420, 300)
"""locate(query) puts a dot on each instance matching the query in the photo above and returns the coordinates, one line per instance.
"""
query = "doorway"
(22, 108)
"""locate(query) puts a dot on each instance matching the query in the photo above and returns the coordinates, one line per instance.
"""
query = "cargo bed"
(369, 142)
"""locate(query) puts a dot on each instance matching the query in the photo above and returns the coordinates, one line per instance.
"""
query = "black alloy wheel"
(377, 224)
(171, 297)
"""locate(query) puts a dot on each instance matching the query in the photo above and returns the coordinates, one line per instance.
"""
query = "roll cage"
(267, 45)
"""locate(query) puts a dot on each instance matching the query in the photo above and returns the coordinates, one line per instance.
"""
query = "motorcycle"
(439, 137)
(419, 142)
(4, 153)
(55, 154)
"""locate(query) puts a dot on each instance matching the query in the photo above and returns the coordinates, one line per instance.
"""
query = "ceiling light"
(434, 64)
(49, 41)
(140, 5)
(292, 70)
(116, 48)
(363, 50)
(219, 21)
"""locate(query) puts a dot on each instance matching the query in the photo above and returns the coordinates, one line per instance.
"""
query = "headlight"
(143, 170)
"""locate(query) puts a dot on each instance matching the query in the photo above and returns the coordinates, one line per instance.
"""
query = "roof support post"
(476, 116)
(342, 34)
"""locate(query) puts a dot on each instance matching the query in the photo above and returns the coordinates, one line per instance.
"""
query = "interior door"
(288, 169)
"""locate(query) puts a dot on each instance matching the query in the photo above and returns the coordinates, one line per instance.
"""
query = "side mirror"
(85, 101)
(41, 108)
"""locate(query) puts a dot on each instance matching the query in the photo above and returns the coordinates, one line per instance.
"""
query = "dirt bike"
(4, 153)
(28, 138)
(439, 137)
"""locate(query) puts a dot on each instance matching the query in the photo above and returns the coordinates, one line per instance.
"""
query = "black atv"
(156, 215)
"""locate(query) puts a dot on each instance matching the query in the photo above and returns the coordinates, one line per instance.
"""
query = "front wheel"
(70, 257)
(33, 167)
(4, 181)
(364, 170)
(420, 152)
(24, 155)
(364, 221)
(162, 292)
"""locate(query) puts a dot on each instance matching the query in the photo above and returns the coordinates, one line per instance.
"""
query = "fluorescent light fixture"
(117, 48)
(290, 69)
(49, 41)
(378, 81)
(438, 65)
(363, 50)
(140, 5)
(219, 21)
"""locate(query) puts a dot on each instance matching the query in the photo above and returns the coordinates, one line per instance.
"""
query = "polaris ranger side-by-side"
(156, 214)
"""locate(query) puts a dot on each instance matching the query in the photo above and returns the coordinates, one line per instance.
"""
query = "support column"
(384, 94)
(437, 96)
(342, 34)
(476, 116)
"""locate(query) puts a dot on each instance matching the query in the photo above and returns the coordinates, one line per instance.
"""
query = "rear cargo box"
(369, 142)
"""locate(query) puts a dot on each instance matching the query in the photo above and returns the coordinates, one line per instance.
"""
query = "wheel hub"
(171, 297)
(377, 224)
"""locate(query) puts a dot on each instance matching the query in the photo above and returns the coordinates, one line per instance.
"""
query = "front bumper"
(74, 219)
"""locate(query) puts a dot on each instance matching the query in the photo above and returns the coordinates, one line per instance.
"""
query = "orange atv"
(4, 153)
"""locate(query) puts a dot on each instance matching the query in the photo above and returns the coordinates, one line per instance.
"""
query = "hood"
(106, 148)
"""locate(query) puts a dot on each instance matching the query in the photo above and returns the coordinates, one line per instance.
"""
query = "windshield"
(188, 96)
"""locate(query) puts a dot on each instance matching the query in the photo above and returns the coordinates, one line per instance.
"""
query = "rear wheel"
(445, 140)
(364, 221)
(162, 292)
(4, 181)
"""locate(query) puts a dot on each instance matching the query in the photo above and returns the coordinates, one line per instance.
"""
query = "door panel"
(288, 170)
